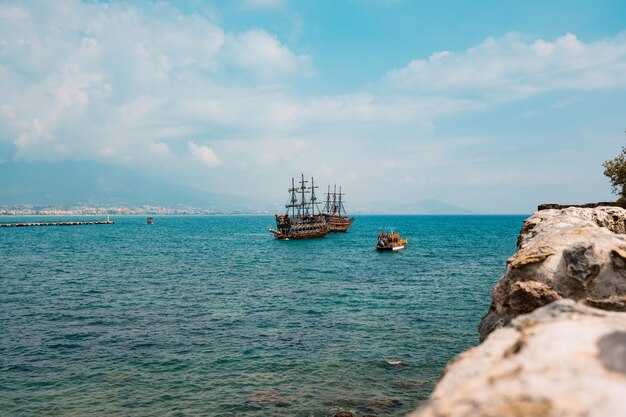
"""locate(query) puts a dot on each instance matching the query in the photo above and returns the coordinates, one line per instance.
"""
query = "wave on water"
(212, 316)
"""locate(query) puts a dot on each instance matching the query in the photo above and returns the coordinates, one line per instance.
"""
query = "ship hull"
(309, 227)
(389, 248)
(281, 235)
(339, 224)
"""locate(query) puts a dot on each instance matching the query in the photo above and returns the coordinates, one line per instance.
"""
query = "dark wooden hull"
(289, 235)
(309, 227)
(339, 224)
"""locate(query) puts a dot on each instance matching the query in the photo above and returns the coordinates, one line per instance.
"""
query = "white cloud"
(267, 151)
(135, 85)
(561, 104)
(7, 112)
(128, 76)
(13, 12)
(161, 149)
(512, 67)
(567, 102)
(263, 54)
(36, 143)
(204, 154)
(262, 4)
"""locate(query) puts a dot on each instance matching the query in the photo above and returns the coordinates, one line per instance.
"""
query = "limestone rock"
(575, 253)
(564, 359)
(554, 337)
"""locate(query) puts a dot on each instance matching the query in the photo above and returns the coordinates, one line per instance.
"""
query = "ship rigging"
(303, 218)
(335, 212)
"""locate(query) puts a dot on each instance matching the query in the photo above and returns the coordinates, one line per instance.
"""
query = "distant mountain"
(97, 184)
(432, 206)
(428, 206)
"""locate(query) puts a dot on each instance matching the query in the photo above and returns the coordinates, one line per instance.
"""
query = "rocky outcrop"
(565, 359)
(548, 206)
(554, 337)
(574, 253)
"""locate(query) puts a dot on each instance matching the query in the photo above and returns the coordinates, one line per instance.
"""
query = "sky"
(489, 105)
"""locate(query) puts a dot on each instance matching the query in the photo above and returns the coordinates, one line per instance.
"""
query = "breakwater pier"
(55, 223)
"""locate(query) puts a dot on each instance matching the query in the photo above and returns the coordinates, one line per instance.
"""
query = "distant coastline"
(118, 211)
(202, 212)
(154, 210)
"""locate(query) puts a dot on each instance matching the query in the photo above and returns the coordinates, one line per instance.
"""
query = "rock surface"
(574, 253)
(565, 359)
(548, 206)
(554, 337)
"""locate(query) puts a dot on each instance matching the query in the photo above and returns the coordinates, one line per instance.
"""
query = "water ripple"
(211, 316)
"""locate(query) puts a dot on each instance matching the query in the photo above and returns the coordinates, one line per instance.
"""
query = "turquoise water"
(209, 316)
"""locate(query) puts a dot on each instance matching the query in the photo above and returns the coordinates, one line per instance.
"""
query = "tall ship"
(335, 212)
(303, 218)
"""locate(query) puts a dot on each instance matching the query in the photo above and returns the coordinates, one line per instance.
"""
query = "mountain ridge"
(97, 184)
(87, 183)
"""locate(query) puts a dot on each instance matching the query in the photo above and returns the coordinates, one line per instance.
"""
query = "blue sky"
(494, 106)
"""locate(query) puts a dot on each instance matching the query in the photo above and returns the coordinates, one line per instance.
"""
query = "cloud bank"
(511, 68)
(167, 91)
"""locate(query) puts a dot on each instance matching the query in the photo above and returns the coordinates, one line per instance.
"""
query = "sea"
(211, 316)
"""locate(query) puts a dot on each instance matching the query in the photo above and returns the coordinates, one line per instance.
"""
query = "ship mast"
(304, 206)
(340, 206)
(327, 206)
(294, 199)
(335, 199)
(314, 199)
(340, 203)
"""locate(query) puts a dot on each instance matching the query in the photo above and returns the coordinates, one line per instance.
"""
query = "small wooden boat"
(389, 240)
(149, 220)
